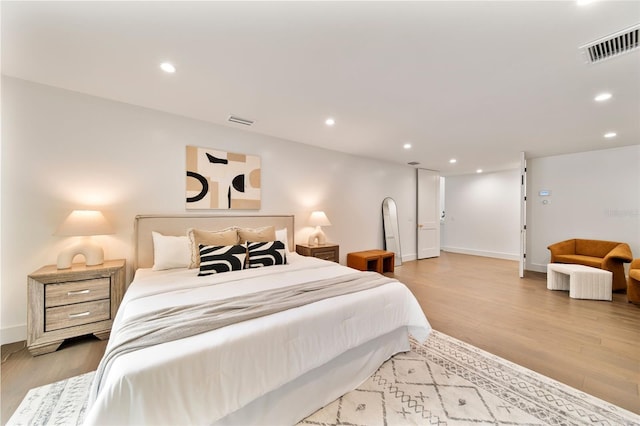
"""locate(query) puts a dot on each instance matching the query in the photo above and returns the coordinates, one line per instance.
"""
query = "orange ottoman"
(380, 261)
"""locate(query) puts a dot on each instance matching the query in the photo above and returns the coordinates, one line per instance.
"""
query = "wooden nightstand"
(72, 302)
(323, 251)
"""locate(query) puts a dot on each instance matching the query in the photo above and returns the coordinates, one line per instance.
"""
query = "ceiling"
(476, 81)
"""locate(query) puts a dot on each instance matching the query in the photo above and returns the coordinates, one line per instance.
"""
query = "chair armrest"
(620, 252)
(635, 264)
(563, 247)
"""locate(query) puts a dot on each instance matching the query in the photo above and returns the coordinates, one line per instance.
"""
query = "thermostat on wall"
(544, 193)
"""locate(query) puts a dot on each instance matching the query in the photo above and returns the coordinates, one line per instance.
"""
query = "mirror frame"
(390, 229)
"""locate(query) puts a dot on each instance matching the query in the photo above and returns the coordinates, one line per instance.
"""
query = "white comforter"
(200, 379)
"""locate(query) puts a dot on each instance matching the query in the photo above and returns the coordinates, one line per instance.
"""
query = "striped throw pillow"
(218, 259)
(266, 254)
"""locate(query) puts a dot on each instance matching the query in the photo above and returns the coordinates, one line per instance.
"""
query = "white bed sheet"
(203, 378)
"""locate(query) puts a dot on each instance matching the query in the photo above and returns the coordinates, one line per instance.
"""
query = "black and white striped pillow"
(266, 254)
(218, 259)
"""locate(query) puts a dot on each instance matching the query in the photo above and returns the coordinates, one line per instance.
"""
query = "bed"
(273, 369)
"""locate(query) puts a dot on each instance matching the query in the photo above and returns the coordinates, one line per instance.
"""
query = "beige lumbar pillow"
(257, 235)
(223, 237)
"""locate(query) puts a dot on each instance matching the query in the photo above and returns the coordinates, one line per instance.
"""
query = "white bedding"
(203, 378)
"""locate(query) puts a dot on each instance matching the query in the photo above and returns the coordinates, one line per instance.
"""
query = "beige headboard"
(178, 225)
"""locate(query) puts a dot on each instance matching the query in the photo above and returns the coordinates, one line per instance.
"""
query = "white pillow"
(281, 235)
(170, 252)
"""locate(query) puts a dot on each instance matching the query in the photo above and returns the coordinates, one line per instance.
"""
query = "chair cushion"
(595, 262)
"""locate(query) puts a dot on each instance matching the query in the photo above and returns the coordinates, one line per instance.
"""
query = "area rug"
(441, 382)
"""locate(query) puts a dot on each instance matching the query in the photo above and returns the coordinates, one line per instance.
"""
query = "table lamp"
(83, 223)
(318, 219)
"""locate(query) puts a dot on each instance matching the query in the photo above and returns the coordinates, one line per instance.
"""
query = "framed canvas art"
(222, 180)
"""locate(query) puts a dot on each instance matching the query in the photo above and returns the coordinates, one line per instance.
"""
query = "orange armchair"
(607, 255)
(633, 285)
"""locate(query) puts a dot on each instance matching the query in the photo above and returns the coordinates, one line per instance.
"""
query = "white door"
(428, 214)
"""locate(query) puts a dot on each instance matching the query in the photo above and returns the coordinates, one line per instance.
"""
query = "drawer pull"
(75, 293)
(81, 314)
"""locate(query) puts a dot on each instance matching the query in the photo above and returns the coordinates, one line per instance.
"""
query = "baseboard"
(484, 253)
(409, 257)
(16, 333)
(536, 267)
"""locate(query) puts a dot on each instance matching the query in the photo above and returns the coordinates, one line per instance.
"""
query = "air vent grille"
(612, 45)
(244, 121)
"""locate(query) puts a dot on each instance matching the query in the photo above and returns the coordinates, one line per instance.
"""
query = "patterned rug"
(443, 382)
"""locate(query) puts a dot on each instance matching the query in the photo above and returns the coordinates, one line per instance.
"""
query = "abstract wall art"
(222, 180)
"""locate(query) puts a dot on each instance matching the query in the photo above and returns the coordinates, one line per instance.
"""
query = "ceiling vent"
(413, 163)
(612, 45)
(244, 121)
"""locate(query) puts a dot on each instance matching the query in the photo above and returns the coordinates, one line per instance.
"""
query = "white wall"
(483, 214)
(594, 195)
(62, 150)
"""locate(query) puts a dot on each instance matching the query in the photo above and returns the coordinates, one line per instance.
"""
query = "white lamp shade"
(318, 218)
(83, 223)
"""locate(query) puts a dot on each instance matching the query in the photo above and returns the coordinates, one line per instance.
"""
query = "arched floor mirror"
(391, 229)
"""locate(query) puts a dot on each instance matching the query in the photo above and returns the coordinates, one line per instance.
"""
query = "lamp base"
(317, 237)
(93, 254)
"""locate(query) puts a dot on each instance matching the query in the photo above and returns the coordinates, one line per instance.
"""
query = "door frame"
(523, 214)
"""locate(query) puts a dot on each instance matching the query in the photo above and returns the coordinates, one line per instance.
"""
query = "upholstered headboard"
(178, 225)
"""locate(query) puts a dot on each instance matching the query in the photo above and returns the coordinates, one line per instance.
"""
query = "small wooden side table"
(321, 251)
(372, 260)
(72, 302)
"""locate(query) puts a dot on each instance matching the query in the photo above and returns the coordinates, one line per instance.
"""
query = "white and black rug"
(449, 382)
(443, 382)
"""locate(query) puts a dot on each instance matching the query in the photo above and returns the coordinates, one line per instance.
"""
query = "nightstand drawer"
(329, 251)
(76, 292)
(78, 314)
(326, 255)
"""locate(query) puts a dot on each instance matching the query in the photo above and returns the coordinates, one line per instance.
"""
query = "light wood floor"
(590, 345)
(593, 346)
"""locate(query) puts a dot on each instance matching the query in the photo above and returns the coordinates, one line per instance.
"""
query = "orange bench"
(372, 260)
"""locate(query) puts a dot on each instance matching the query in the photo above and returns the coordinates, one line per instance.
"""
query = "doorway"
(428, 213)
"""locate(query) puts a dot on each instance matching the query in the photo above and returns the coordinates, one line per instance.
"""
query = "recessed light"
(407, 146)
(330, 122)
(479, 171)
(602, 97)
(610, 135)
(584, 2)
(453, 161)
(168, 67)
